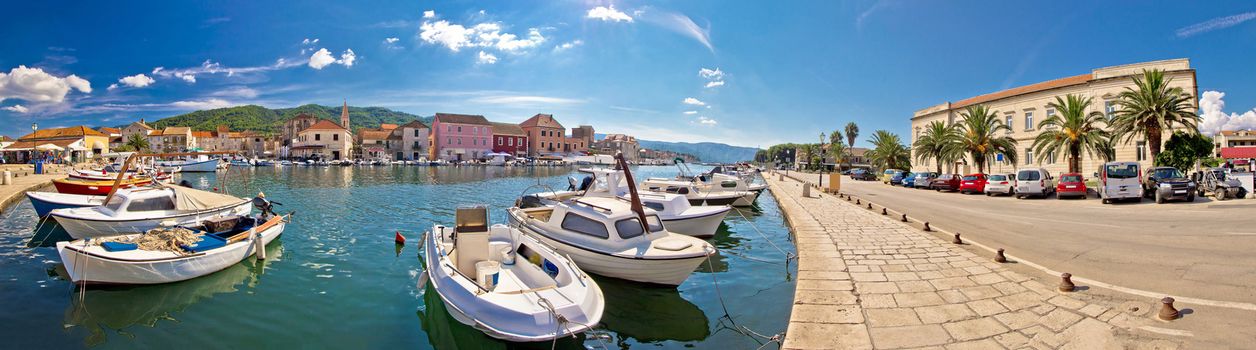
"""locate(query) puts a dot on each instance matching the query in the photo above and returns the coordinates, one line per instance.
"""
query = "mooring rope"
(788, 255)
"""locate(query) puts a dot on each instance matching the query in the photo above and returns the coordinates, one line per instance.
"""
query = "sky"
(747, 73)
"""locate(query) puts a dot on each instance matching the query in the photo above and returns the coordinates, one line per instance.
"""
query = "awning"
(49, 147)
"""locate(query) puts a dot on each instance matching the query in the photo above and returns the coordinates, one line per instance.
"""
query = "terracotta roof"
(1236, 132)
(373, 134)
(142, 125)
(107, 130)
(202, 134)
(324, 124)
(53, 133)
(154, 133)
(541, 120)
(63, 143)
(387, 126)
(1238, 152)
(1046, 85)
(508, 129)
(461, 119)
(176, 130)
(414, 125)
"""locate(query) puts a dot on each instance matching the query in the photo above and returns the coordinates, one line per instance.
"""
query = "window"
(1109, 108)
(335, 137)
(1051, 157)
(416, 132)
(459, 129)
(500, 141)
(1009, 123)
(151, 204)
(1029, 156)
(1029, 121)
(510, 141)
(583, 225)
(1140, 151)
(459, 140)
(1050, 113)
(318, 137)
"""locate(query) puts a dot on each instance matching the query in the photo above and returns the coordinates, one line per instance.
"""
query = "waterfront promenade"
(25, 180)
(870, 281)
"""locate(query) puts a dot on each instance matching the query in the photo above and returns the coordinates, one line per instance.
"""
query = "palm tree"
(939, 142)
(888, 152)
(1151, 109)
(838, 150)
(852, 131)
(979, 136)
(1071, 130)
(137, 143)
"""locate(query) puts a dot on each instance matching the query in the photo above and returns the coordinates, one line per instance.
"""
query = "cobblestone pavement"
(870, 281)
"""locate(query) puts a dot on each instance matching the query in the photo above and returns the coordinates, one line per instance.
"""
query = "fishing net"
(163, 239)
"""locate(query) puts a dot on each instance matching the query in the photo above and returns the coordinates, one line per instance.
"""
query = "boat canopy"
(194, 199)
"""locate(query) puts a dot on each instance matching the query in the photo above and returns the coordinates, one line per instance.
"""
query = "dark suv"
(1167, 183)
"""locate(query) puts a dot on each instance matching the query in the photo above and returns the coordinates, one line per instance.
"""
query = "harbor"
(338, 260)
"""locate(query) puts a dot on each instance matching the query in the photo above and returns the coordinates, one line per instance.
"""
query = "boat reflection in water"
(99, 309)
(48, 234)
(650, 314)
(444, 332)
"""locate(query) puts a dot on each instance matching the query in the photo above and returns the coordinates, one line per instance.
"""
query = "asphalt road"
(1204, 249)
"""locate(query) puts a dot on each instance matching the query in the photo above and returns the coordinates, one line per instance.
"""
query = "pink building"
(460, 137)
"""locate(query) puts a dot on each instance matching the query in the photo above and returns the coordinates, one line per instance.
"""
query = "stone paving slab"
(868, 281)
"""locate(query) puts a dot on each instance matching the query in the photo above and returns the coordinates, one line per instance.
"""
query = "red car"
(1070, 185)
(973, 183)
(949, 182)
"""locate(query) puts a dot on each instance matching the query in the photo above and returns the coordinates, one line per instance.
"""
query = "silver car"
(923, 179)
(1001, 184)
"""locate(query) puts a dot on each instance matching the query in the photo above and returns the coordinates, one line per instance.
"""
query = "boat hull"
(205, 166)
(94, 188)
(667, 272)
(45, 202)
(699, 226)
(86, 268)
(91, 228)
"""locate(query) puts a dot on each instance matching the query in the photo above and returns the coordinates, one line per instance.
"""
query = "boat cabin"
(604, 224)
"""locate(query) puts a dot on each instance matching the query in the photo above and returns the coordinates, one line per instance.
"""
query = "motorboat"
(677, 214)
(219, 245)
(724, 181)
(697, 195)
(45, 202)
(96, 187)
(105, 175)
(137, 210)
(198, 164)
(508, 284)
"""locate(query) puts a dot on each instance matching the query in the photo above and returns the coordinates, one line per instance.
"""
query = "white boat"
(137, 210)
(698, 195)
(677, 213)
(604, 236)
(202, 164)
(45, 202)
(507, 284)
(91, 262)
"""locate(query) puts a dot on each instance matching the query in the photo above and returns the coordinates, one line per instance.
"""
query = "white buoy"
(259, 245)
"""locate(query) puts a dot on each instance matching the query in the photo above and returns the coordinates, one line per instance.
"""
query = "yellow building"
(1022, 108)
(75, 144)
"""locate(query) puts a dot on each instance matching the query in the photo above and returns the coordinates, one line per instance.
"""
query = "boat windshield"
(631, 227)
(115, 204)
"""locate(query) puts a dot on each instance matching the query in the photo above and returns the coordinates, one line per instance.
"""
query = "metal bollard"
(884, 212)
(1066, 282)
(904, 217)
(1167, 311)
(8, 178)
(999, 258)
(869, 205)
(927, 229)
(857, 201)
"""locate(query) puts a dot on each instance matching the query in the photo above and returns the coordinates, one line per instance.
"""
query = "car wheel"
(987, 194)
(1159, 198)
(1190, 197)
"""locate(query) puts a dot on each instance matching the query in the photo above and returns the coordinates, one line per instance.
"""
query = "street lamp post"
(822, 151)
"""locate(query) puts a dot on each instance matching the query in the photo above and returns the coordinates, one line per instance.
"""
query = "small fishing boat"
(699, 196)
(677, 213)
(46, 202)
(96, 187)
(117, 261)
(609, 237)
(507, 284)
(104, 175)
(137, 210)
(200, 164)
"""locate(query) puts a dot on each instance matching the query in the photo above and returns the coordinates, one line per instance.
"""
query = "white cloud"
(237, 91)
(210, 67)
(707, 121)
(17, 108)
(309, 41)
(33, 84)
(486, 58)
(524, 99)
(429, 14)
(683, 25)
(347, 58)
(712, 84)
(112, 86)
(137, 81)
(568, 45)
(608, 13)
(1215, 119)
(391, 40)
(203, 104)
(391, 43)
(711, 74)
(1214, 24)
(188, 77)
(452, 36)
(691, 112)
(693, 101)
(321, 58)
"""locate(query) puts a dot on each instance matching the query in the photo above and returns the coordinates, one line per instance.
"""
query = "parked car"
(1119, 180)
(897, 178)
(887, 177)
(1168, 183)
(1214, 181)
(1000, 184)
(1034, 182)
(909, 180)
(972, 183)
(1071, 185)
(862, 175)
(949, 182)
(924, 179)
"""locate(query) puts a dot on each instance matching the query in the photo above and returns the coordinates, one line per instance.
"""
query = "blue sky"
(748, 73)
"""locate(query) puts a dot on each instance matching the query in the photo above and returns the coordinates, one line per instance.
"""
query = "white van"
(1120, 180)
(1034, 182)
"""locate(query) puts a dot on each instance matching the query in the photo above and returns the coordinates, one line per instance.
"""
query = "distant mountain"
(706, 151)
(265, 120)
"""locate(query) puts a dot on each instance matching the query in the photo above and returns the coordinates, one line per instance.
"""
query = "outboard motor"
(530, 201)
(586, 183)
(571, 183)
(264, 205)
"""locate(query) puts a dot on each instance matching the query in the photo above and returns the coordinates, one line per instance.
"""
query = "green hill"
(265, 120)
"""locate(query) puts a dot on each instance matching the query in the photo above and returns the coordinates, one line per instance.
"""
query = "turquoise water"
(336, 280)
